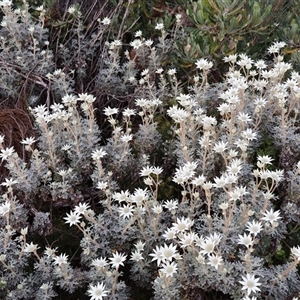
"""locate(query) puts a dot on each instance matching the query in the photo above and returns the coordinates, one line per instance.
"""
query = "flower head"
(203, 64)
(99, 262)
(97, 292)
(169, 269)
(81, 208)
(5, 153)
(4, 208)
(254, 227)
(296, 252)
(117, 260)
(215, 260)
(271, 216)
(250, 284)
(245, 240)
(61, 259)
(97, 154)
(106, 21)
(30, 247)
(72, 218)
(182, 224)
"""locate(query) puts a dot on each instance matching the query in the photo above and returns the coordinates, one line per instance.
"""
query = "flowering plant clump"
(178, 199)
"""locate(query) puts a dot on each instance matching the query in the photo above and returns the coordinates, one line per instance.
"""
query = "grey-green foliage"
(25, 55)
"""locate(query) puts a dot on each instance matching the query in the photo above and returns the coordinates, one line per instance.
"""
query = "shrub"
(177, 196)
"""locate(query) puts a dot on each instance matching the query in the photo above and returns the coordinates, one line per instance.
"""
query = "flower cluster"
(175, 191)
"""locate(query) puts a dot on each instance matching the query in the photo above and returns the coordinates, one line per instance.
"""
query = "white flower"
(97, 154)
(231, 58)
(28, 141)
(106, 21)
(46, 286)
(139, 196)
(102, 185)
(234, 167)
(199, 180)
(7, 152)
(296, 252)
(24, 231)
(172, 72)
(208, 246)
(203, 64)
(30, 247)
(250, 284)
(182, 224)
(159, 26)
(220, 182)
(97, 292)
(148, 42)
(146, 171)
(178, 114)
(148, 181)
(220, 147)
(187, 239)
(5, 3)
(260, 102)
(169, 269)
(126, 211)
(275, 48)
(277, 175)
(157, 170)
(157, 255)
(169, 234)
(140, 246)
(164, 254)
(5, 208)
(215, 261)
(61, 259)
(234, 195)
(157, 209)
(145, 72)
(126, 138)
(216, 238)
(128, 112)
(73, 218)
(62, 173)
(271, 216)
(108, 111)
(260, 64)
(245, 61)
(9, 182)
(208, 122)
(50, 252)
(123, 196)
(254, 227)
(249, 134)
(117, 260)
(224, 205)
(136, 43)
(264, 160)
(224, 108)
(81, 208)
(71, 9)
(99, 262)
(244, 118)
(170, 204)
(136, 256)
(87, 98)
(169, 252)
(245, 239)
